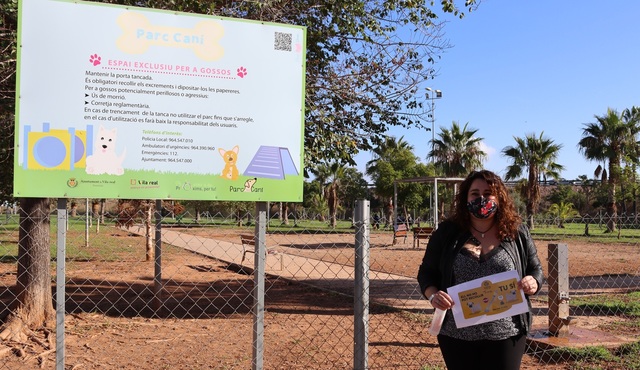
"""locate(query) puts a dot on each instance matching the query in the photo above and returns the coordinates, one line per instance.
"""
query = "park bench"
(249, 246)
(400, 231)
(421, 233)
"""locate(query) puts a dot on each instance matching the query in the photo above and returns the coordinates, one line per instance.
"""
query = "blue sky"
(520, 67)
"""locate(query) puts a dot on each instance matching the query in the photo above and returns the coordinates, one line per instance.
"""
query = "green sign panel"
(123, 102)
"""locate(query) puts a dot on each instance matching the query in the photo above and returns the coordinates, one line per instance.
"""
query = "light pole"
(433, 94)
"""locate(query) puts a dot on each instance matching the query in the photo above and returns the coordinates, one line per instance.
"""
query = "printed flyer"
(486, 299)
(139, 103)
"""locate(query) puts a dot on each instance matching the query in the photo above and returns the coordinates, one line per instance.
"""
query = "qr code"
(282, 41)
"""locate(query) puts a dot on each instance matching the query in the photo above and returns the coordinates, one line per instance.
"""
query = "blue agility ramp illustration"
(271, 162)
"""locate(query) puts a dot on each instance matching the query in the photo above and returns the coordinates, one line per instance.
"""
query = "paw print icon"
(95, 59)
(241, 72)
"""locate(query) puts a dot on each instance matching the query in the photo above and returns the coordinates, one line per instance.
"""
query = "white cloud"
(491, 151)
(494, 161)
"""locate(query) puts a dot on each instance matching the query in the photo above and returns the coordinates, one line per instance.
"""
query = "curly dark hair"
(507, 217)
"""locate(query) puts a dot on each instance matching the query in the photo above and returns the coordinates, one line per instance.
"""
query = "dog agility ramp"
(271, 162)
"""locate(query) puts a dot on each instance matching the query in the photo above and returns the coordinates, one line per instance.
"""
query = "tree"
(33, 307)
(330, 177)
(198, 207)
(612, 139)
(362, 76)
(240, 210)
(562, 211)
(73, 208)
(394, 160)
(567, 194)
(587, 189)
(131, 210)
(8, 48)
(313, 200)
(457, 151)
(354, 187)
(367, 62)
(538, 155)
(319, 206)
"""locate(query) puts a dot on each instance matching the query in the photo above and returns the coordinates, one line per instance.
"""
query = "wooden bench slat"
(400, 231)
(250, 240)
(419, 233)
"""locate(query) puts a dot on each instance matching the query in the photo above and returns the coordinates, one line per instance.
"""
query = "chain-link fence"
(189, 302)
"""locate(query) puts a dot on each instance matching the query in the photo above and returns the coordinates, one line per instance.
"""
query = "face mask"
(482, 207)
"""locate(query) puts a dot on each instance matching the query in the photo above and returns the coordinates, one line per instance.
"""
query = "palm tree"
(538, 156)
(612, 139)
(562, 211)
(457, 152)
(318, 206)
(393, 159)
(391, 150)
(330, 177)
(586, 186)
(313, 200)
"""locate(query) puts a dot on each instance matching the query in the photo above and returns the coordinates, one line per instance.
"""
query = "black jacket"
(447, 240)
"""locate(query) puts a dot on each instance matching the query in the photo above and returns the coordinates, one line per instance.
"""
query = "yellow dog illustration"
(230, 171)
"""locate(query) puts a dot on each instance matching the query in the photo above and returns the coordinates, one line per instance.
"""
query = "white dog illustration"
(474, 307)
(104, 159)
(248, 185)
(512, 296)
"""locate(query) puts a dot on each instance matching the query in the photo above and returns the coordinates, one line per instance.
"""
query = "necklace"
(482, 232)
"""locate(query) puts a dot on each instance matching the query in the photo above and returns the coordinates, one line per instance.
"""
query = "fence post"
(87, 223)
(258, 285)
(157, 271)
(558, 281)
(394, 221)
(60, 281)
(361, 291)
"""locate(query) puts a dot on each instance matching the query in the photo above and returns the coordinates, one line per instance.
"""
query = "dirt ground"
(205, 320)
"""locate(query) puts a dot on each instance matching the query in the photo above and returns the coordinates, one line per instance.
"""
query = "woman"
(484, 236)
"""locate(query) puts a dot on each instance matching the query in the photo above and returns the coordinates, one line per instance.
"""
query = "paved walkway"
(388, 289)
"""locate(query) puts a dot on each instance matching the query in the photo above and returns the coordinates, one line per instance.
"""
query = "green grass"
(629, 355)
(623, 326)
(626, 356)
(592, 355)
(102, 246)
(541, 231)
(8, 243)
(575, 231)
(108, 248)
(618, 304)
(9, 227)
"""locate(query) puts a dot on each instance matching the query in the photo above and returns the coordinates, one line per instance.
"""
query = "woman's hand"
(528, 284)
(441, 300)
